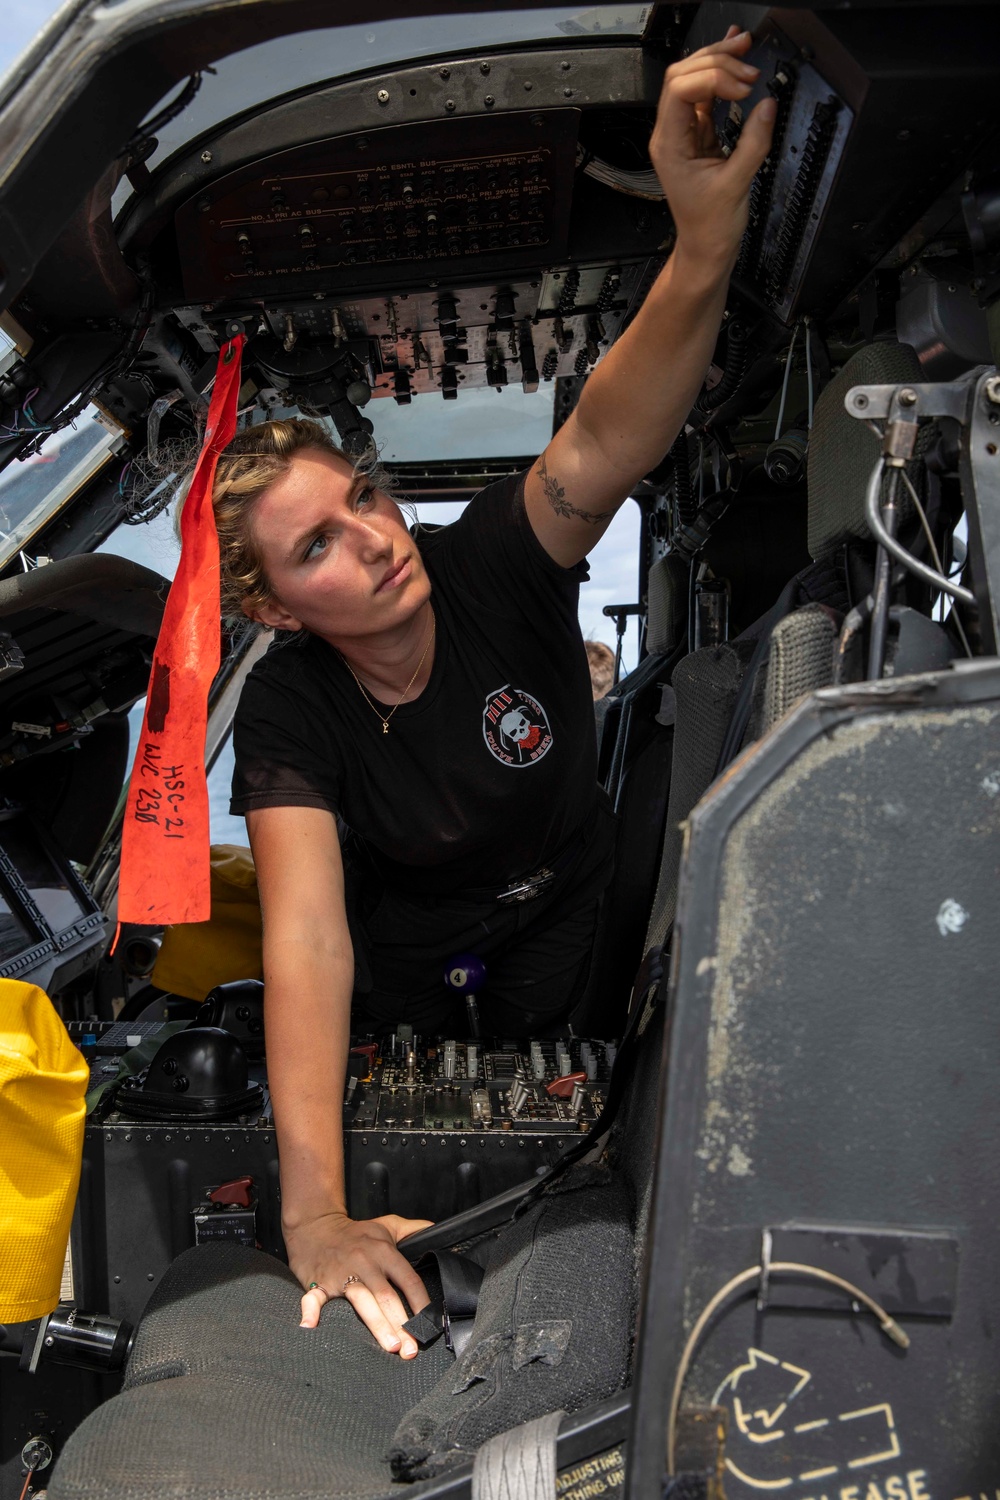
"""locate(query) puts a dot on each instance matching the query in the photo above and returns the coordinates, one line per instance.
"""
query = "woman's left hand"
(707, 191)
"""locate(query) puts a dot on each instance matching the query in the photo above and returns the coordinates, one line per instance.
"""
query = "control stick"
(466, 974)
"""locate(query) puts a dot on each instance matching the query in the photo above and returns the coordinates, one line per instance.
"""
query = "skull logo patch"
(515, 727)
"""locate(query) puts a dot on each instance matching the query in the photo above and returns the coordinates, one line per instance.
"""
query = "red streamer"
(165, 839)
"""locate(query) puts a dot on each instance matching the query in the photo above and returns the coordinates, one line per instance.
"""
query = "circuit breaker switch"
(237, 1194)
(562, 1088)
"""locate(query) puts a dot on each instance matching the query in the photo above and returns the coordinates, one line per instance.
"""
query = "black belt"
(530, 887)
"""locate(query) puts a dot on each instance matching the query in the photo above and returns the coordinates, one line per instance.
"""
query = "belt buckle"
(527, 889)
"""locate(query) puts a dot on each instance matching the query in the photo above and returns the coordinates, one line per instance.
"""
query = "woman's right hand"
(331, 1249)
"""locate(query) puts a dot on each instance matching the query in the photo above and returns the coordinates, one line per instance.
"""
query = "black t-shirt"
(491, 771)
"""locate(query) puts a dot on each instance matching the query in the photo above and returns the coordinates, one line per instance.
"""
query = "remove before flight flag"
(165, 841)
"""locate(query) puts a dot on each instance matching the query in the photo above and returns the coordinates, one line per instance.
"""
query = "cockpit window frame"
(127, 57)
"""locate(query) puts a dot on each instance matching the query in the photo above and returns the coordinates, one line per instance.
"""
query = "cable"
(888, 1325)
(878, 633)
(784, 383)
(642, 184)
(809, 373)
(733, 370)
(913, 564)
(935, 555)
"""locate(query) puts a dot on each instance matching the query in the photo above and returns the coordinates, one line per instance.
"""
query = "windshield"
(261, 73)
(34, 490)
(484, 424)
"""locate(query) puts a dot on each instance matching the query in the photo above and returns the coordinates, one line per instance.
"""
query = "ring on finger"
(314, 1286)
(352, 1280)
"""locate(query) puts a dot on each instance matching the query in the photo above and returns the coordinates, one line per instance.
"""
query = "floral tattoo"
(555, 494)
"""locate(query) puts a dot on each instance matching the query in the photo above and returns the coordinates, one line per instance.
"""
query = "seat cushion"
(227, 1398)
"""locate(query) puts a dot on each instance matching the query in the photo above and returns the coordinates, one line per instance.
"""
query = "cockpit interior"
(732, 1230)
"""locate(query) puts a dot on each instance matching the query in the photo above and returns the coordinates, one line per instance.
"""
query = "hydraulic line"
(734, 370)
(683, 491)
(879, 631)
(853, 622)
(932, 545)
(921, 570)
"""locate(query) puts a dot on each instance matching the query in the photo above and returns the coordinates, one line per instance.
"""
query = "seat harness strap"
(454, 1312)
(520, 1464)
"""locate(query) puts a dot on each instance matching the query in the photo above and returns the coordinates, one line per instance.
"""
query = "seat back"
(800, 660)
(667, 605)
(831, 1100)
(637, 778)
(705, 684)
(842, 450)
(553, 1326)
(86, 626)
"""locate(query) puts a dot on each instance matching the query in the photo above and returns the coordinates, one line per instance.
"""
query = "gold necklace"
(384, 719)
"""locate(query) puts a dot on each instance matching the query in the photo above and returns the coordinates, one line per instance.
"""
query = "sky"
(21, 19)
(482, 423)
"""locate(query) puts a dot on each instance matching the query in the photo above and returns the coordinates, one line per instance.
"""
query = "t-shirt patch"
(516, 727)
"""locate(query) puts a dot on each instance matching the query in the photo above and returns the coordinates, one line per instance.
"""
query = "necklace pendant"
(385, 726)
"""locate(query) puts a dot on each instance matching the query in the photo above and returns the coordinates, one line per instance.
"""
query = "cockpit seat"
(109, 590)
(842, 452)
(800, 660)
(85, 627)
(725, 697)
(226, 1397)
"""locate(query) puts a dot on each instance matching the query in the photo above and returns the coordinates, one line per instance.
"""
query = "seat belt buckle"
(527, 889)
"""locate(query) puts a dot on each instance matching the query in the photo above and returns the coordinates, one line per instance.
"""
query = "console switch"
(562, 1088)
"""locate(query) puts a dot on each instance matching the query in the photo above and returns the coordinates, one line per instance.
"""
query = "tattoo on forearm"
(555, 494)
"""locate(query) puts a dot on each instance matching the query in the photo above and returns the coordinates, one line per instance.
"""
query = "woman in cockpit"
(435, 700)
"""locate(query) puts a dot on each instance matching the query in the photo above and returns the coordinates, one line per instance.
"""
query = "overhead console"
(430, 209)
(431, 201)
(490, 219)
(487, 221)
(401, 254)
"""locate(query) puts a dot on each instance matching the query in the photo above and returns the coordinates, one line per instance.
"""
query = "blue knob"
(466, 973)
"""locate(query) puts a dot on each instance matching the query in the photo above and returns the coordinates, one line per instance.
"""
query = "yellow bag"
(43, 1080)
(196, 956)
